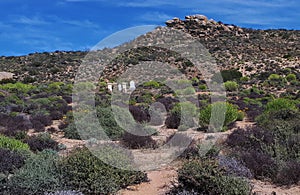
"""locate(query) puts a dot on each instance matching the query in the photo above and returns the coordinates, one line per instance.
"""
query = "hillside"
(172, 135)
(249, 50)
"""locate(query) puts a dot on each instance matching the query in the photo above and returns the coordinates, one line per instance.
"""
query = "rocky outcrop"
(6, 75)
(200, 25)
(252, 51)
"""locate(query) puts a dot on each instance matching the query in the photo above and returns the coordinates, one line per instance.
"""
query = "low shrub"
(17, 87)
(274, 77)
(244, 79)
(202, 87)
(218, 108)
(291, 77)
(231, 86)
(229, 75)
(153, 84)
(65, 192)
(138, 138)
(39, 120)
(233, 167)
(261, 164)
(172, 121)
(280, 104)
(139, 113)
(187, 91)
(41, 142)
(168, 102)
(183, 113)
(156, 117)
(271, 149)
(12, 144)
(38, 175)
(84, 128)
(289, 174)
(88, 174)
(14, 124)
(10, 160)
(206, 177)
(241, 115)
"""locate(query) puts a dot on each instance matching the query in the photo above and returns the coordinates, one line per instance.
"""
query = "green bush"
(231, 115)
(38, 175)
(186, 91)
(17, 87)
(271, 150)
(231, 85)
(240, 116)
(107, 120)
(274, 77)
(280, 104)
(291, 77)
(153, 84)
(12, 144)
(229, 75)
(88, 174)
(185, 113)
(203, 87)
(244, 79)
(206, 177)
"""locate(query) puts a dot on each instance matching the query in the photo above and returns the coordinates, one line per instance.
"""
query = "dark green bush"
(38, 175)
(206, 177)
(229, 75)
(10, 160)
(41, 142)
(107, 121)
(139, 113)
(88, 174)
(168, 102)
(271, 150)
(139, 137)
(182, 113)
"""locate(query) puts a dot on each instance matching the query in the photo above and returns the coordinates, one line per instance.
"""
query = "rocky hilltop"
(251, 51)
(237, 47)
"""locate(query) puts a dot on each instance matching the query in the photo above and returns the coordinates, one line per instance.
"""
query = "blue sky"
(28, 26)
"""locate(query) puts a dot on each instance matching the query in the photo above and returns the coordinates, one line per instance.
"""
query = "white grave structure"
(132, 86)
(119, 87)
(110, 87)
(124, 86)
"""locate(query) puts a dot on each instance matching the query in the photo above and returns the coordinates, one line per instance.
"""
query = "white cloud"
(155, 17)
(30, 21)
(80, 23)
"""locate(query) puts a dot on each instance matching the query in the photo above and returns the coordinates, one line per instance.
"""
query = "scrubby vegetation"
(37, 115)
(205, 176)
(271, 150)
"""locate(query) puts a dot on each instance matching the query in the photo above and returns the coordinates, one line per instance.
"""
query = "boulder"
(6, 75)
(200, 17)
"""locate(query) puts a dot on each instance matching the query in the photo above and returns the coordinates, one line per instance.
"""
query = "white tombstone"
(110, 87)
(132, 86)
(124, 86)
(119, 87)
